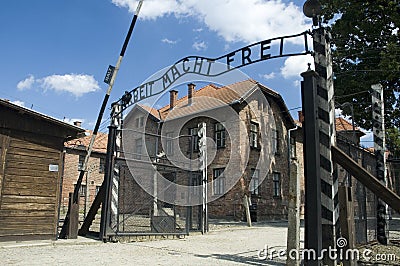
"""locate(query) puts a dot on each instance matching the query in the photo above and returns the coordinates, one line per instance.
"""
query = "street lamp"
(312, 9)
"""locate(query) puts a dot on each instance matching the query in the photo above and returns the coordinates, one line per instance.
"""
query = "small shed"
(31, 153)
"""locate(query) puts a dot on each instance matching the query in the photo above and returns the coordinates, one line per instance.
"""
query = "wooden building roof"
(51, 126)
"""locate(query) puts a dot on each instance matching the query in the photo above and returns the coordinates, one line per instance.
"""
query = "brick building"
(74, 156)
(259, 130)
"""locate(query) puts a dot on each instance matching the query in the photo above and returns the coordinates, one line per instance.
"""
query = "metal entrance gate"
(140, 213)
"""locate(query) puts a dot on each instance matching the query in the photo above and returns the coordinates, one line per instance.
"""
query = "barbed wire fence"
(364, 200)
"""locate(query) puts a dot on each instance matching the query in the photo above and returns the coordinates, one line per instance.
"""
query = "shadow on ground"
(242, 258)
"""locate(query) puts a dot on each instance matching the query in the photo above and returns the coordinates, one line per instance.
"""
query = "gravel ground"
(226, 244)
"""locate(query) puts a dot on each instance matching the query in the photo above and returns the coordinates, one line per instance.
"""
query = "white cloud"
(198, 30)
(77, 84)
(295, 65)
(168, 41)
(26, 83)
(198, 46)
(227, 47)
(152, 9)
(72, 120)
(297, 83)
(233, 20)
(338, 112)
(20, 103)
(268, 76)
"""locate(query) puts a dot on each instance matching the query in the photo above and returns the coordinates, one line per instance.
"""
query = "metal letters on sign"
(253, 53)
(109, 74)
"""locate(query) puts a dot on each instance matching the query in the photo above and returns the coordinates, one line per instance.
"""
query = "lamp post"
(312, 9)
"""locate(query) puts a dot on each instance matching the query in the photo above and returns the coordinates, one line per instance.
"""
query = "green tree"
(393, 142)
(366, 51)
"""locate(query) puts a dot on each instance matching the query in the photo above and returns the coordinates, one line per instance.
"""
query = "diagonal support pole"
(63, 233)
(368, 180)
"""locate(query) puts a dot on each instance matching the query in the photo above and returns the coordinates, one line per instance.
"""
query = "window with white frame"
(253, 135)
(194, 140)
(196, 183)
(102, 164)
(218, 181)
(169, 148)
(97, 190)
(81, 161)
(276, 179)
(138, 148)
(254, 182)
(82, 190)
(260, 105)
(275, 141)
(293, 147)
(219, 135)
(139, 121)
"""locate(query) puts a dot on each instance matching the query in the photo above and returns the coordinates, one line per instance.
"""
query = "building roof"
(99, 145)
(212, 96)
(298, 123)
(154, 112)
(341, 125)
(65, 130)
(344, 125)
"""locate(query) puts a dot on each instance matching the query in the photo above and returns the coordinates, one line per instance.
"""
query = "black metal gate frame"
(118, 232)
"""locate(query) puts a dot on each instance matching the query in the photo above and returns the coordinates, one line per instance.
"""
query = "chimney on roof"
(173, 98)
(191, 88)
(301, 116)
(77, 123)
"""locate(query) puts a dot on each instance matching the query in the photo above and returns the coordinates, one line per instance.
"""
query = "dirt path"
(234, 245)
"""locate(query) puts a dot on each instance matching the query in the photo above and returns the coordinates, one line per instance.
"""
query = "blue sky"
(54, 53)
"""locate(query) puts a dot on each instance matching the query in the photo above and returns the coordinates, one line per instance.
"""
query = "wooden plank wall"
(29, 191)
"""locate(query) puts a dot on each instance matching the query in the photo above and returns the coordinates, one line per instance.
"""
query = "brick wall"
(91, 181)
(235, 155)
